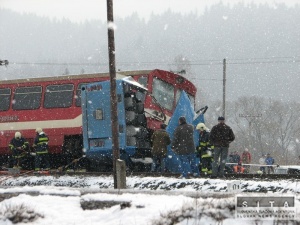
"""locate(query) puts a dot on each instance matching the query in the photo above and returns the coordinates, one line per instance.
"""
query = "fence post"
(121, 174)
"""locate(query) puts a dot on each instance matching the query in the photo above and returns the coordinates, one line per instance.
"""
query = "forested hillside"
(260, 43)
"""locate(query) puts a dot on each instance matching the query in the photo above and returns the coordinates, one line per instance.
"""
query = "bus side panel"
(97, 122)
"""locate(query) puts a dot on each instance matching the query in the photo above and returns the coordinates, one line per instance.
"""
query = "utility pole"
(113, 95)
(224, 85)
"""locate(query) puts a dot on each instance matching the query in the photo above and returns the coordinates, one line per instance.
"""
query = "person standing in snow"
(262, 161)
(204, 149)
(236, 158)
(19, 147)
(269, 162)
(246, 159)
(183, 145)
(41, 149)
(160, 139)
(221, 136)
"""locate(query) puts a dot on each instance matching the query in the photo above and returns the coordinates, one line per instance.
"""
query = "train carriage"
(54, 104)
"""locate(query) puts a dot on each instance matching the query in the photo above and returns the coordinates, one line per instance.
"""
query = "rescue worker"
(41, 150)
(246, 159)
(204, 149)
(160, 139)
(19, 147)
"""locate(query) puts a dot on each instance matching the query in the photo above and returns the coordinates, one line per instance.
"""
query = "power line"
(248, 61)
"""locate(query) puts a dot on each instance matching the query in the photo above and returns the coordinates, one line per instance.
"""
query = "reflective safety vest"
(203, 143)
(41, 143)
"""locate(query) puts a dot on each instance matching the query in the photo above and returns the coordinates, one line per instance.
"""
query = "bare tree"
(263, 126)
(284, 128)
(249, 117)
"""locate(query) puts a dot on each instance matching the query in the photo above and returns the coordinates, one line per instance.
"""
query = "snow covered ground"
(73, 200)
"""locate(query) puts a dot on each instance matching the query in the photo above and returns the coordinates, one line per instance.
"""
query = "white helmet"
(200, 126)
(38, 130)
(18, 134)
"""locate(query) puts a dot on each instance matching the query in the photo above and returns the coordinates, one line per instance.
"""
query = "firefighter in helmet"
(19, 147)
(204, 149)
(41, 150)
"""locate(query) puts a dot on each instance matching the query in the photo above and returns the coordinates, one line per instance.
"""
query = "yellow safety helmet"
(18, 134)
(38, 130)
(200, 126)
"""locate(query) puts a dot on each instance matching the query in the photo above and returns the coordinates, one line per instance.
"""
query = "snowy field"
(71, 200)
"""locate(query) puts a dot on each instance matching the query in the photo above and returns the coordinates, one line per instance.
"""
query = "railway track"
(16, 173)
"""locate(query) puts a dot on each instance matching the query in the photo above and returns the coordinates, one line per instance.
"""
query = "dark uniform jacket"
(161, 140)
(15, 143)
(41, 143)
(183, 140)
(203, 141)
(221, 135)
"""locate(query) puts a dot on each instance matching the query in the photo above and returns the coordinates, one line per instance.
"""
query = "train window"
(27, 98)
(163, 92)
(78, 94)
(59, 96)
(4, 99)
(98, 114)
(143, 81)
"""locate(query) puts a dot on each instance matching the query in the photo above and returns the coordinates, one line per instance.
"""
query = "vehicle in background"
(292, 169)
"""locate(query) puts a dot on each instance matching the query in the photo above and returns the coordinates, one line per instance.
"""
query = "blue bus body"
(134, 141)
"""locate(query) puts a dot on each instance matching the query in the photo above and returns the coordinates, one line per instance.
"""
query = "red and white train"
(53, 104)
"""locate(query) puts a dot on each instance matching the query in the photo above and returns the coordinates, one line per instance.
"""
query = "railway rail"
(231, 176)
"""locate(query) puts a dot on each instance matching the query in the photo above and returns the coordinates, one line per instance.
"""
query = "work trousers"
(220, 158)
(41, 159)
(158, 164)
(270, 169)
(189, 164)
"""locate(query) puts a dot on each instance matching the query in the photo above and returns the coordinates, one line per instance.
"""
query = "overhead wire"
(242, 61)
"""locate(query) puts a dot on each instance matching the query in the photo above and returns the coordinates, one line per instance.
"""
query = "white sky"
(79, 10)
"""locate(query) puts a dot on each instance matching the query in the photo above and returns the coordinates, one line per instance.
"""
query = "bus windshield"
(163, 92)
